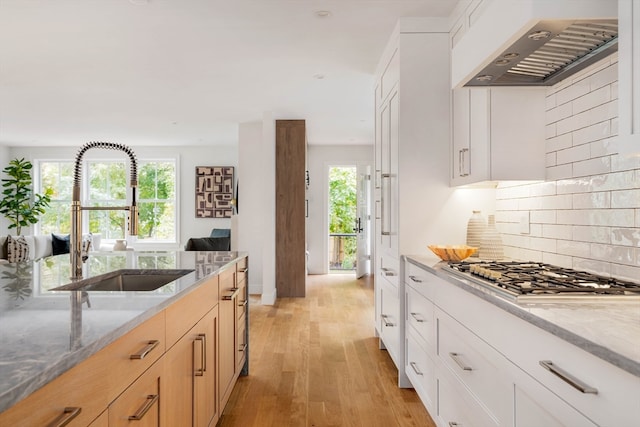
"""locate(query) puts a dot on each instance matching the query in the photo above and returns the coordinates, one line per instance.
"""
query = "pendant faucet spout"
(76, 207)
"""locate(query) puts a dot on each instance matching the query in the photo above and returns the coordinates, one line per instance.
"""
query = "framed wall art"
(214, 191)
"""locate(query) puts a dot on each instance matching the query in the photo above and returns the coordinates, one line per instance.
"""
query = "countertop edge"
(583, 343)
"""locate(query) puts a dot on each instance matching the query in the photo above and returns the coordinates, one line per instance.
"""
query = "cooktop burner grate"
(539, 279)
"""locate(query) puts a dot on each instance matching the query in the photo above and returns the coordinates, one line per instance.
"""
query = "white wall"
(250, 219)
(320, 158)
(587, 213)
(188, 158)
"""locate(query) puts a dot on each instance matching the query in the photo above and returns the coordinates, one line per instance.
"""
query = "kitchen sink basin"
(127, 280)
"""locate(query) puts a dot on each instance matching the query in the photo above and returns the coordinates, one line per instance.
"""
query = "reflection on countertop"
(43, 333)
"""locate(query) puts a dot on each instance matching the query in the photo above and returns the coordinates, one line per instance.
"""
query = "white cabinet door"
(498, 134)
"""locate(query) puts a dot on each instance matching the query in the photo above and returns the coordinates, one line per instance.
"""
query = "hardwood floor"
(315, 362)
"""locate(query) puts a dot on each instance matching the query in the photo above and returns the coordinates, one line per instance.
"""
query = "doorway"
(349, 219)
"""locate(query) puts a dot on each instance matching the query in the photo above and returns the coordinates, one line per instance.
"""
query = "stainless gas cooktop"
(534, 281)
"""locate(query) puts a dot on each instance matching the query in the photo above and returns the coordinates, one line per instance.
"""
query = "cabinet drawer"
(389, 270)
(140, 402)
(242, 301)
(477, 365)
(186, 312)
(419, 279)
(128, 357)
(603, 392)
(242, 345)
(420, 317)
(242, 269)
(389, 322)
(421, 371)
(456, 407)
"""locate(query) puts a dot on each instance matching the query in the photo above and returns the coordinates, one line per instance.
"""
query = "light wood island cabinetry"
(170, 370)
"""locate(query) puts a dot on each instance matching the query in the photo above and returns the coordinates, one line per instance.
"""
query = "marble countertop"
(608, 330)
(40, 338)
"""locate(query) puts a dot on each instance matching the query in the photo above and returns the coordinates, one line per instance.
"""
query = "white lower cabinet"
(474, 364)
(389, 320)
(478, 367)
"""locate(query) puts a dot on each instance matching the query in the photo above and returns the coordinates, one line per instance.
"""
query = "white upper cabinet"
(498, 135)
(629, 70)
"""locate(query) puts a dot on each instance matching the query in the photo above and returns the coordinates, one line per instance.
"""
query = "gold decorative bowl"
(452, 252)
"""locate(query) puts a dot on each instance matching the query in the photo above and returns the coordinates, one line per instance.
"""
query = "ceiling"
(186, 72)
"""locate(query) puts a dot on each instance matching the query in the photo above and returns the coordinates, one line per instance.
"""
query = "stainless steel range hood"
(549, 52)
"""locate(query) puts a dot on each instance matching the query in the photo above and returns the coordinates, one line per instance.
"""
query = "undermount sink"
(127, 280)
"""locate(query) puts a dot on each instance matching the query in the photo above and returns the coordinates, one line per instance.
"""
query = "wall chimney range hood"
(549, 52)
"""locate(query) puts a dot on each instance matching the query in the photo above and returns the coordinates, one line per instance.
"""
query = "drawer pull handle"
(460, 363)
(454, 424)
(203, 354)
(65, 418)
(415, 279)
(387, 271)
(244, 303)
(146, 350)
(415, 368)
(243, 270)
(418, 317)
(233, 294)
(567, 377)
(242, 348)
(386, 322)
(151, 400)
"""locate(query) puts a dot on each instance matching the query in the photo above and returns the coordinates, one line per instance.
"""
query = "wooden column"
(290, 214)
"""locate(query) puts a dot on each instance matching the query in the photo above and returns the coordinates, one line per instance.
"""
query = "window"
(106, 183)
(59, 177)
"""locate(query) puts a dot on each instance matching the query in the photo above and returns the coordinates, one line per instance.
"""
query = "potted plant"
(17, 204)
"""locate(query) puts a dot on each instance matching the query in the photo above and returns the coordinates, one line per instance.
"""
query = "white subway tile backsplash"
(603, 112)
(555, 231)
(592, 133)
(557, 259)
(568, 247)
(590, 234)
(586, 215)
(626, 198)
(543, 188)
(590, 100)
(627, 272)
(550, 101)
(576, 90)
(593, 266)
(563, 111)
(601, 200)
(579, 121)
(559, 142)
(625, 180)
(609, 253)
(621, 163)
(604, 77)
(543, 217)
(559, 172)
(542, 244)
(626, 237)
(573, 154)
(599, 165)
(597, 217)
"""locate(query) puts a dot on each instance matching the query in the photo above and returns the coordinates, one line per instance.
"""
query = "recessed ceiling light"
(510, 55)
(318, 76)
(484, 78)
(323, 13)
(139, 2)
(502, 62)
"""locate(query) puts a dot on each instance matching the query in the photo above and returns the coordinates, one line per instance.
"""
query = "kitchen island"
(45, 333)
(474, 355)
